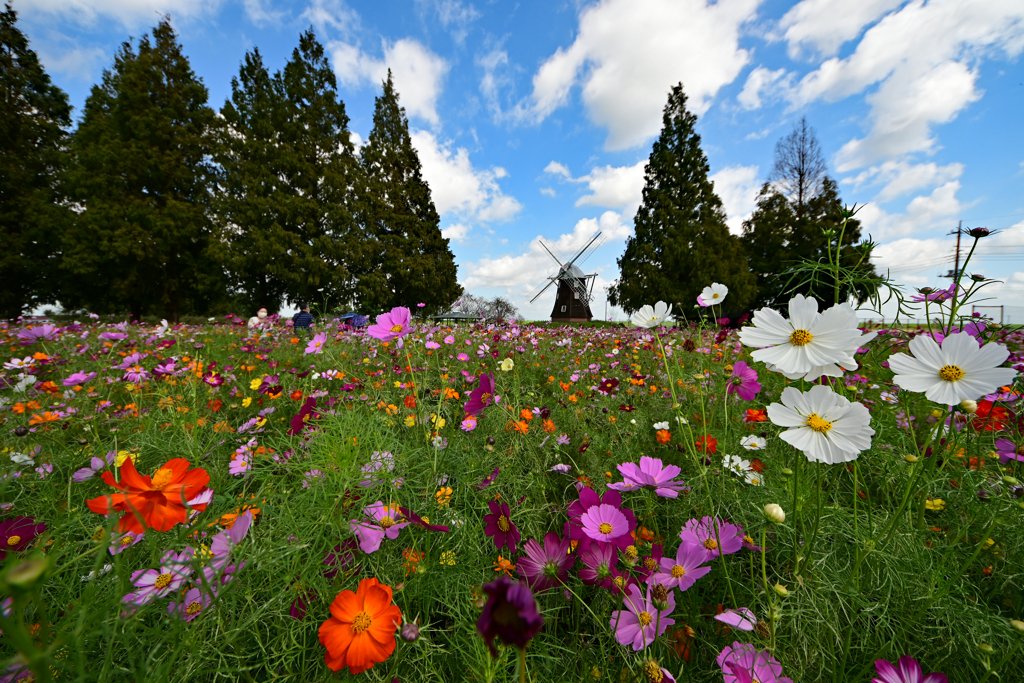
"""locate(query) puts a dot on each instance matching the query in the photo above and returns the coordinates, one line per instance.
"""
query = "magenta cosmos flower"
(391, 325)
(192, 605)
(1007, 451)
(498, 525)
(682, 571)
(381, 520)
(604, 523)
(743, 381)
(742, 663)
(510, 614)
(77, 378)
(641, 622)
(482, 396)
(548, 565)
(908, 671)
(651, 472)
(16, 534)
(716, 536)
(598, 564)
(741, 618)
(588, 499)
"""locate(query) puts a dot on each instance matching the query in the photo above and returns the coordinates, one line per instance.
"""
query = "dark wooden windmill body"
(575, 289)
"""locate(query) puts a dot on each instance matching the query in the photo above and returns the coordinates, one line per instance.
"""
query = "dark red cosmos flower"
(340, 558)
(16, 534)
(608, 385)
(304, 415)
(498, 525)
(510, 614)
(420, 522)
(626, 408)
(488, 480)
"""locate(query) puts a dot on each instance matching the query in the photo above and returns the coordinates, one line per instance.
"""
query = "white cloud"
(535, 265)
(459, 188)
(909, 255)
(456, 232)
(628, 54)
(918, 56)
(418, 73)
(738, 187)
(902, 177)
(260, 13)
(923, 213)
(333, 14)
(558, 168)
(616, 187)
(78, 62)
(761, 79)
(129, 13)
(454, 16)
(548, 191)
(825, 25)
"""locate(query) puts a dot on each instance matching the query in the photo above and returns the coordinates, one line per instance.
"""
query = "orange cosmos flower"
(361, 629)
(157, 502)
(45, 417)
(663, 436)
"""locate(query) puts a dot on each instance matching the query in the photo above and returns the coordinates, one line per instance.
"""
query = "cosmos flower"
(96, 465)
(713, 294)
(391, 325)
(753, 443)
(651, 472)
(741, 618)
(743, 663)
(604, 523)
(192, 604)
(380, 522)
(682, 571)
(77, 378)
(908, 671)
(16, 534)
(175, 569)
(827, 427)
(499, 526)
(573, 528)
(157, 502)
(510, 614)
(641, 622)
(599, 561)
(1008, 451)
(316, 344)
(954, 371)
(716, 536)
(648, 317)
(482, 396)
(546, 566)
(743, 381)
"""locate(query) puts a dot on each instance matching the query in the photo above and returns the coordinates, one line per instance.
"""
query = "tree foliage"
(409, 261)
(681, 243)
(34, 118)
(142, 178)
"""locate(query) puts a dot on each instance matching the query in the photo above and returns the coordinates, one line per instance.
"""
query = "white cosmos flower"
(827, 427)
(753, 443)
(753, 478)
(955, 371)
(661, 425)
(713, 294)
(649, 316)
(736, 464)
(809, 344)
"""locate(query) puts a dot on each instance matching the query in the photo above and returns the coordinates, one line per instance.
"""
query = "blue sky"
(534, 119)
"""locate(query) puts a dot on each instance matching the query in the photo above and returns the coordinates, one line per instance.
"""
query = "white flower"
(753, 443)
(507, 365)
(955, 371)
(713, 294)
(753, 478)
(652, 316)
(18, 363)
(809, 344)
(22, 459)
(827, 427)
(736, 464)
(661, 425)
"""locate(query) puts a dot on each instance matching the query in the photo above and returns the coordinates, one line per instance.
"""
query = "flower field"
(793, 500)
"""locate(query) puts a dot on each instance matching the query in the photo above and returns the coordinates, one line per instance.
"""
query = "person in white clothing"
(258, 320)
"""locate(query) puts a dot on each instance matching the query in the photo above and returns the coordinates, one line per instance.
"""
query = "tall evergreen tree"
(318, 182)
(142, 177)
(414, 263)
(250, 224)
(681, 243)
(34, 118)
(799, 214)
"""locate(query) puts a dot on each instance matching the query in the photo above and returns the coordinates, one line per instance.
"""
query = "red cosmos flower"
(215, 405)
(757, 465)
(158, 502)
(296, 395)
(990, 417)
(707, 444)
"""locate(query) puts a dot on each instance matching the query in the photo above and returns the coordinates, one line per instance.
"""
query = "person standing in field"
(302, 320)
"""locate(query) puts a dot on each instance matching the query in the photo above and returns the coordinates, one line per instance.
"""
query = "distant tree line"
(157, 204)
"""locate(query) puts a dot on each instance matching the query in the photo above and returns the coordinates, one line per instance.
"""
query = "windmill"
(575, 288)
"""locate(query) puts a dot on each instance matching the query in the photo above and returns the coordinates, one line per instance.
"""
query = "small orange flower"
(663, 436)
(503, 565)
(294, 340)
(526, 414)
(361, 629)
(215, 405)
(549, 426)
(45, 417)
(296, 395)
(410, 401)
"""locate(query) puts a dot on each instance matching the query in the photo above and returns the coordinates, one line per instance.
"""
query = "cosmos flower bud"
(23, 576)
(410, 632)
(978, 233)
(1017, 624)
(630, 555)
(659, 596)
(986, 648)
(910, 458)
(781, 590)
(969, 406)
(774, 513)
(20, 430)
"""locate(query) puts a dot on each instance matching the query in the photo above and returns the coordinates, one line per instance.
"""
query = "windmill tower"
(575, 288)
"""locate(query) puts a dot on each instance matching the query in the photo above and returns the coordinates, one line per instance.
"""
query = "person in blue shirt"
(302, 320)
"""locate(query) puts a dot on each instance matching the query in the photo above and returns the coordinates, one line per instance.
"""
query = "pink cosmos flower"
(547, 566)
(392, 325)
(77, 378)
(121, 542)
(909, 672)
(641, 622)
(604, 523)
(682, 571)
(44, 332)
(598, 562)
(741, 618)
(588, 499)
(175, 570)
(651, 472)
(192, 605)
(1007, 451)
(463, 357)
(96, 465)
(380, 522)
(742, 663)
(316, 344)
(743, 381)
(715, 535)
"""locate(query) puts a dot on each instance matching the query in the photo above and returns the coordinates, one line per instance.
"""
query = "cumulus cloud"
(455, 16)
(814, 24)
(81, 63)
(909, 255)
(628, 54)
(418, 73)
(922, 213)
(737, 186)
(616, 187)
(903, 177)
(458, 188)
(760, 80)
(456, 232)
(129, 13)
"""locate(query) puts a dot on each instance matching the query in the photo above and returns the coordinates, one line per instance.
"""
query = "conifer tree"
(681, 243)
(251, 229)
(142, 177)
(318, 182)
(413, 262)
(34, 118)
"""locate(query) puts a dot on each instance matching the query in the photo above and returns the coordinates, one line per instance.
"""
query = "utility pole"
(953, 274)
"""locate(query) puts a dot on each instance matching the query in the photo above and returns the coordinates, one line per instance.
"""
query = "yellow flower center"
(678, 571)
(126, 540)
(645, 618)
(653, 672)
(748, 539)
(162, 478)
(503, 523)
(387, 522)
(649, 564)
(630, 553)
(485, 399)
(715, 295)
(14, 540)
(711, 544)
(163, 581)
(396, 328)
(362, 622)
(193, 608)
(605, 528)
(951, 373)
(800, 338)
(818, 424)
(619, 582)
